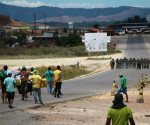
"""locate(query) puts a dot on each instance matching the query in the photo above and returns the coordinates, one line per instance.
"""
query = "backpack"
(3, 75)
(24, 76)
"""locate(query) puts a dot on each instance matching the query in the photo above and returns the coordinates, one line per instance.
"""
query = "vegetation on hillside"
(73, 39)
(134, 19)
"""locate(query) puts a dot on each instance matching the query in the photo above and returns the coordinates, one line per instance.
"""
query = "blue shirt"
(49, 75)
(9, 82)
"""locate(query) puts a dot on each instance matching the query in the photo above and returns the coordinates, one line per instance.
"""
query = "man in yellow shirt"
(36, 80)
(58, 81)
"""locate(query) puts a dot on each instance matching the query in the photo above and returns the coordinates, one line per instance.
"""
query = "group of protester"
(119, 113)
(131, 63)
(29, 81)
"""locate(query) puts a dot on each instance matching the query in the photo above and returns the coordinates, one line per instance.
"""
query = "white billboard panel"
(96, 42)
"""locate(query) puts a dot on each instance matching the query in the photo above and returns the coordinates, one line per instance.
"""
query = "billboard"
(96, 42)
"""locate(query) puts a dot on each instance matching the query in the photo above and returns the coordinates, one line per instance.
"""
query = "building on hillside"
(49, 37)
(39, 26)
(131, 27)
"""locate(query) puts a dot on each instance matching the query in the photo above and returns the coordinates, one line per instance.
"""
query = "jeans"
(57, 89)
(37, 94)
(49, 86)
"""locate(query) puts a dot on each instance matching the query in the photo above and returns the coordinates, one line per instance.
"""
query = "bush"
(68, 72)
(52, 51)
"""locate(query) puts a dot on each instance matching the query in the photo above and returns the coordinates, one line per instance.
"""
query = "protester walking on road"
(36, 80)
(49, 79)
(10, 89)
(29, 83)
(58, 81)
(3, 75)
(123, 86)
(24, 76)
(119, 113)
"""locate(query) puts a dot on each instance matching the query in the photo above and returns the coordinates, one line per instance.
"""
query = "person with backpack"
(24, 78)
(49, 79)
(30, 82)
(3, 75)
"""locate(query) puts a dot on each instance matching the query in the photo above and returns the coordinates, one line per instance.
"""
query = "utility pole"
(44, 19)
(34, 18)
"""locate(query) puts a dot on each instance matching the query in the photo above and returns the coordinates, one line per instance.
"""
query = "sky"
(78, 3)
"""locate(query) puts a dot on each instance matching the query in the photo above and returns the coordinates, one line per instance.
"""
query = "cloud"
(23, 3)
(76, 5)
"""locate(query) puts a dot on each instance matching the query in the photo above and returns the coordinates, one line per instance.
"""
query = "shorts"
(10, 95)
(123, 90)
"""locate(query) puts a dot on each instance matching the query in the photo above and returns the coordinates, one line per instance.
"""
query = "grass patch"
(68, 72)
(48, 52)
(42, 52)
(103, 58)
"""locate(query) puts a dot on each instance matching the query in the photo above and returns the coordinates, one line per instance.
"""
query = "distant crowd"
(28, 81)
(131, 63)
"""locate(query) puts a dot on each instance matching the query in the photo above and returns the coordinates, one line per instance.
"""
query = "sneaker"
(36, 102)
(42, 103)
(10, 106)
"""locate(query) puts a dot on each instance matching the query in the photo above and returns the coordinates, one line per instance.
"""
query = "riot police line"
(131, 63)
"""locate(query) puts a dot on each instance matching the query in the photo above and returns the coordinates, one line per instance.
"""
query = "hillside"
(72, 14)
(6, 21)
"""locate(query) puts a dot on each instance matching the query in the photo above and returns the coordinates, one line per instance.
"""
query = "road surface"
(97, 83)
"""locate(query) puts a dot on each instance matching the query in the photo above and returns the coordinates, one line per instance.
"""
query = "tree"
(21, 38)
(96, 26)
(65, 30)
(10, 41)
(73, 39)
(136, 19)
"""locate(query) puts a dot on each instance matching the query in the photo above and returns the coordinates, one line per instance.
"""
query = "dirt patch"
(86, 111)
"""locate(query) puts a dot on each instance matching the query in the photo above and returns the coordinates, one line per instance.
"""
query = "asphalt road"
(99, 83)
(137, 46)
(133, 46)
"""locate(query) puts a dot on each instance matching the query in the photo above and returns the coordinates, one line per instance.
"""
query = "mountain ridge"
(56, 14)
